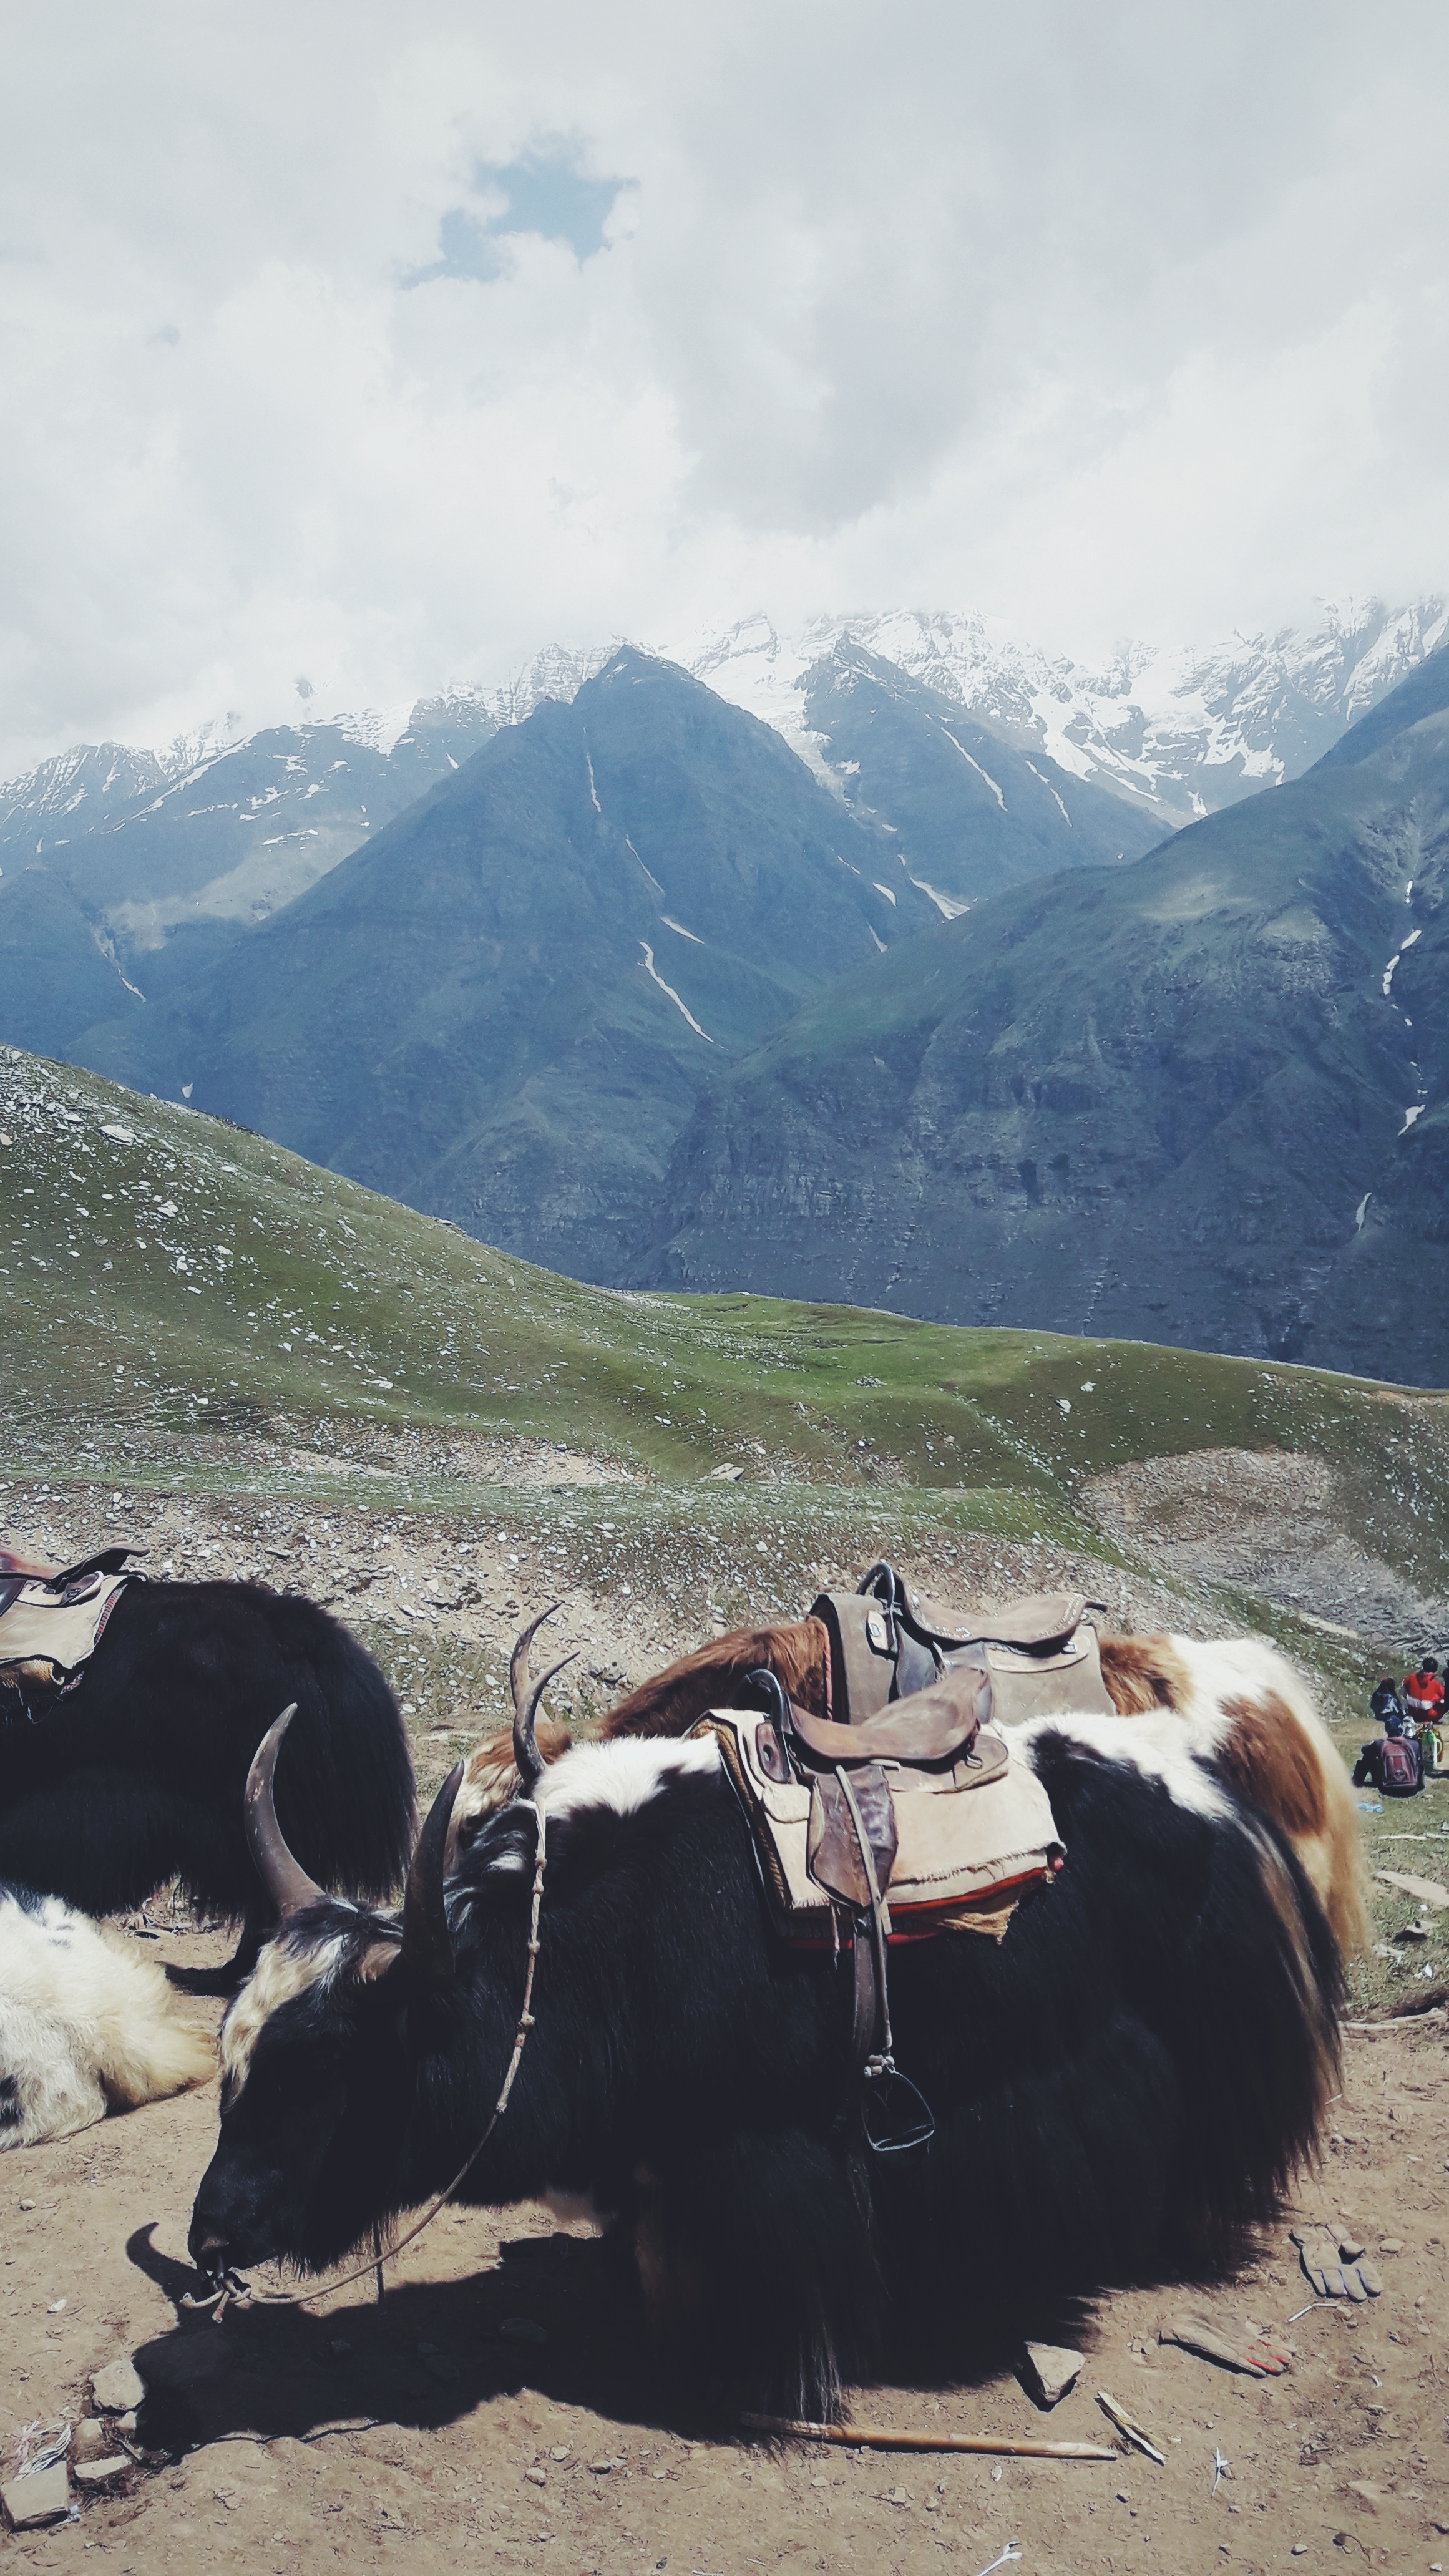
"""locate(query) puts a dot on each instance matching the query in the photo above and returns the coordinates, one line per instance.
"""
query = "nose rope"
(233, 2289)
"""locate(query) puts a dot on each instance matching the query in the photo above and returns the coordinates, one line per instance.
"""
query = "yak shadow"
(425, 2356)
(432, 2351)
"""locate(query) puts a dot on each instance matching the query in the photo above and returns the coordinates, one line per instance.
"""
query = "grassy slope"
(286, 1332)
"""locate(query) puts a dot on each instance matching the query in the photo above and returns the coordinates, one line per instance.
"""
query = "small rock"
(1122, 2496)
(89, 2439)
(95, 2473)
(126, 2423)
(536, 2477)
(896, 2496)
(1391, 2244)
(27, 2204)
(1049, 2372)
(523, 2330)
(116, 2387)
(600, 2468)
(560, 2451)
(29, 2502)
(1299, 2549)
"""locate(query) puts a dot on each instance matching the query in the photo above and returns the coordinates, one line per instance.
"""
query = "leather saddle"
(1040, 1652)
(907, 1823)
(51, 1620)
(68, 1583)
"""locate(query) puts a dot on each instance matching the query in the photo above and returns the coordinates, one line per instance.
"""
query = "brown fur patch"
(678, 1697)
(491, 1779)
(1143, 1673)
(1272, 1764)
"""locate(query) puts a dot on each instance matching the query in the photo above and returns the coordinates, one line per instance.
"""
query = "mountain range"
(924, 1017)
(505, 1007)
(1203, 1097)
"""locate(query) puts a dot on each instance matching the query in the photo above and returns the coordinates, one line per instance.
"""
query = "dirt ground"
(499, 2410)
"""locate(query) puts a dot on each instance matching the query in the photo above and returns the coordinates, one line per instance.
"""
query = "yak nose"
(207, 2246)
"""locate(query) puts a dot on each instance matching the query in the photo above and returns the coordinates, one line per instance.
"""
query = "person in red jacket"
(1424, 1694)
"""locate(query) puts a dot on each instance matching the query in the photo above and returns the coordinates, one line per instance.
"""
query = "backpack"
(1399, 1773)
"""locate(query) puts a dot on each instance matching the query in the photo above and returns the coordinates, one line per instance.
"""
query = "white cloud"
(1099, 320)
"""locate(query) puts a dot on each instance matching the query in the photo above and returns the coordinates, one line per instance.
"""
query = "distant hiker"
(1424, 1693)
(1387, 1706)
(1393, 1764)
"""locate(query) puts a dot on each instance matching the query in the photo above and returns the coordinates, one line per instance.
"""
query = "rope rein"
(233, 2288)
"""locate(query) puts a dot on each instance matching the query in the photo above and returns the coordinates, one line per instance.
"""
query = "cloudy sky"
(383, 344)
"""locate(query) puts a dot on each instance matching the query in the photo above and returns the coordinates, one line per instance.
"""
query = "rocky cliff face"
(504, 1008)
(1202, 1099)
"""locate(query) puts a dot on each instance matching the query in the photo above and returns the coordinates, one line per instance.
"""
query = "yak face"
(316, 2085)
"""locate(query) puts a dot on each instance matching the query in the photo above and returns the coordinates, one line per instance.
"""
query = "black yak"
(136, 1775)
(1120, 2089)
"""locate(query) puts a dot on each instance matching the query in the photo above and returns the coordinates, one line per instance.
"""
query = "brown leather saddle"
(919, 1801)
(1040, 1651)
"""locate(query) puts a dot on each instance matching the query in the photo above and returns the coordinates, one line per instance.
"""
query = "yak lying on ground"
(87, 2024)
(1119, 2088)
(136, 1775)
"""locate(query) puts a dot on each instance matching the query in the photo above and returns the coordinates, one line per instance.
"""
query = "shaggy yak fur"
(87, 2025)
(1120, 2088)
(1241, 1705)
(136, 1776)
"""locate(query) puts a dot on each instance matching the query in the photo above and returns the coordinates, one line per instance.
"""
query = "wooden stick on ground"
(881, 2437)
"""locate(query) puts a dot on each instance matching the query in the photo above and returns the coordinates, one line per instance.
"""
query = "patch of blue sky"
(545, 193)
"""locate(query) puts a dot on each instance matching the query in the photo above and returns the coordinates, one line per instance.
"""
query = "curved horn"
(284, 1879)
(425, 1942)
(525, 1744)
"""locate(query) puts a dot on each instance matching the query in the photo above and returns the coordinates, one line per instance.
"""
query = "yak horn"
(526, 1754)
(284, 1879)
(425, 1942)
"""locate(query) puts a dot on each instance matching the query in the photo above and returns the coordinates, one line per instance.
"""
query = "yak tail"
(144, 2047)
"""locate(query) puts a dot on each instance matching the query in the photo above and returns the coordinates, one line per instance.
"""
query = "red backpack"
(1399, 1773)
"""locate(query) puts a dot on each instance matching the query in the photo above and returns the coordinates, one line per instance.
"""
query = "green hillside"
(257, 1366)
(175, 1284)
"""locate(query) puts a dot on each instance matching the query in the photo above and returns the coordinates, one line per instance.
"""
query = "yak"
(1241, 1705)
(136, 1774)
(1121, 2088)
(88, 2024)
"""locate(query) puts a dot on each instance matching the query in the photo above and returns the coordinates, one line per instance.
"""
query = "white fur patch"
(623, 1775)
(288, 1966)
(1158, 1746)
(87, 2024)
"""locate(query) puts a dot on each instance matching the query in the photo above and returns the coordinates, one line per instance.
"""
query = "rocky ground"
(1272, 1522)
(499, 2410)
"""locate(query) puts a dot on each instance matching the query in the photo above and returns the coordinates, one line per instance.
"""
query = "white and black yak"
(135, 1776)
(87, 2024)
(1120, 2089)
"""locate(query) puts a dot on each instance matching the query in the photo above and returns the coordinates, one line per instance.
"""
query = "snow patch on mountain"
(1177, 730)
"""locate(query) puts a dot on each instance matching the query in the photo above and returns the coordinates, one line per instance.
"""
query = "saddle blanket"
(48, 1634)
(970, 1840)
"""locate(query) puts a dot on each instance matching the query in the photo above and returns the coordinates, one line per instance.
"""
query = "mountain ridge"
(1202, 1098)
(503, 1008)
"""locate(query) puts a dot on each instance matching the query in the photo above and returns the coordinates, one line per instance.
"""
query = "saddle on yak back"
(1041, 1651)
(901, 1826)
(51, 1618)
